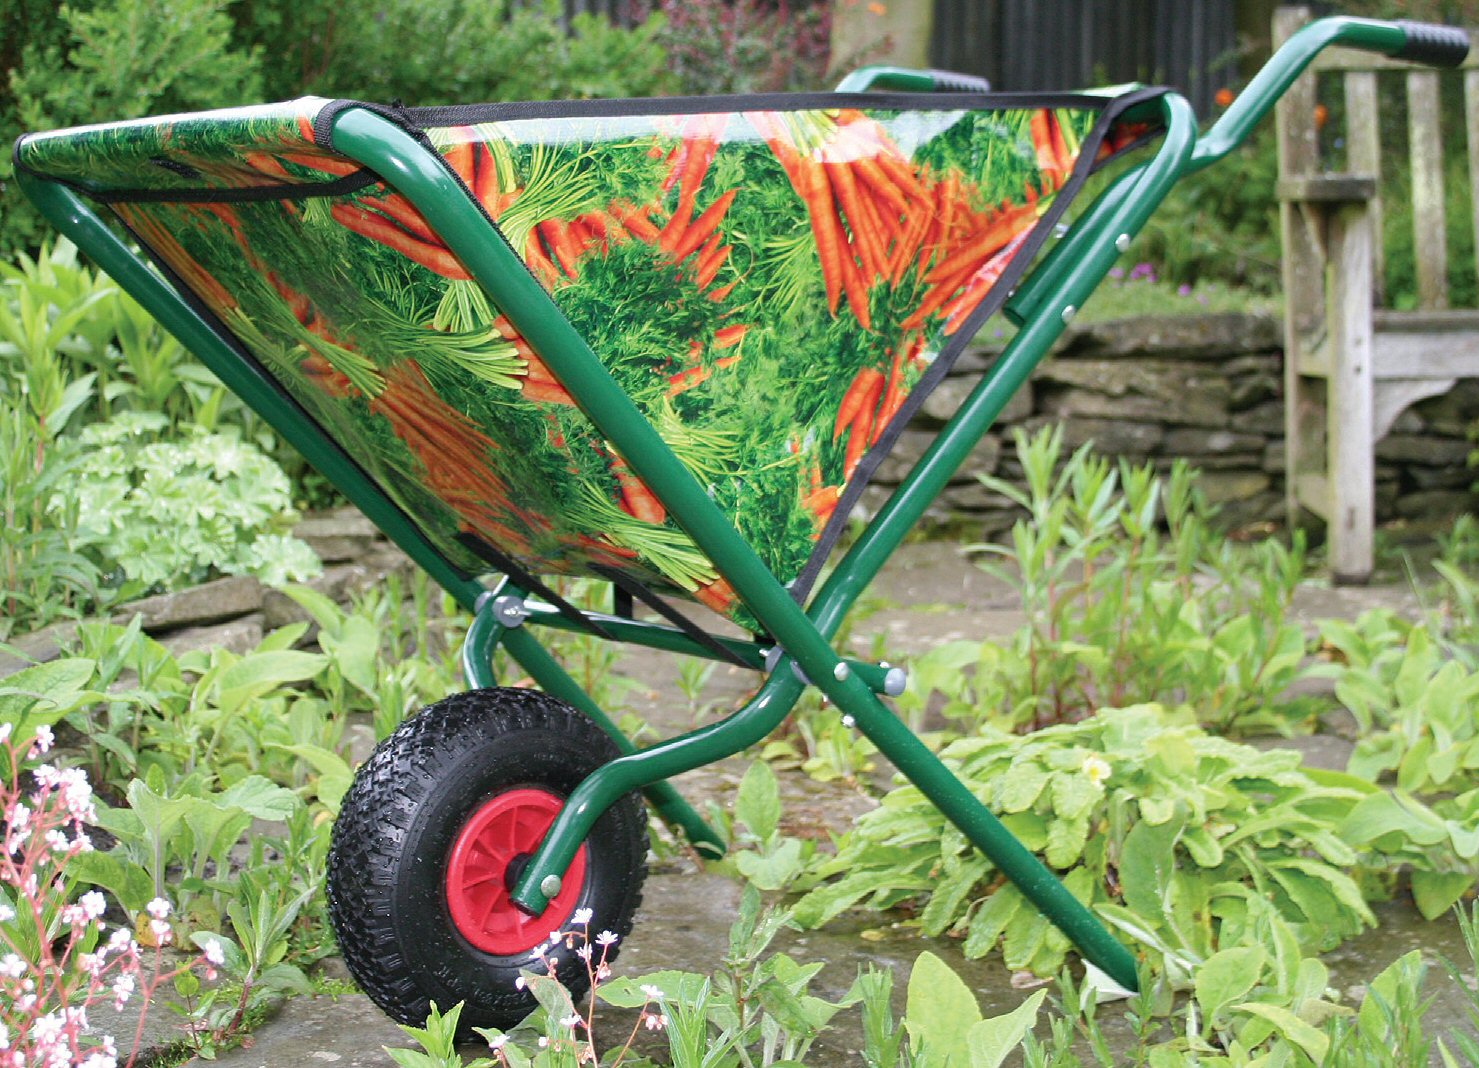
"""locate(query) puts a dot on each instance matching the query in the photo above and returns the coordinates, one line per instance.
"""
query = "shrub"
(170, 513)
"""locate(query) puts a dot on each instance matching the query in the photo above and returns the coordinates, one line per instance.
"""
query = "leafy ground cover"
(1229, 869)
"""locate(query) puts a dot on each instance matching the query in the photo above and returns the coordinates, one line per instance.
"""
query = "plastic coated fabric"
(769, 284)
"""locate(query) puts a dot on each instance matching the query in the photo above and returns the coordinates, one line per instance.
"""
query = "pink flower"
(159, 908)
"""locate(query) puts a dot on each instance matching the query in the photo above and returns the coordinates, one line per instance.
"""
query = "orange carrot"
(871, 174)
(825, 229)
(703, 227)
(636, 499)
(460, 158)
(329, 164)
(434, 257)
(683, 381)
(988, 240)
(305, 128)
(547, 392)
(708, 267)
(723, 291)
(730, 336)
(635, 220)
(864, 240)
(403, 212)
(566, 250)
(852, 400)
(718, 595)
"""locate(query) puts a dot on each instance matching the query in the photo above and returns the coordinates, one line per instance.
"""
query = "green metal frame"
(1042, 306)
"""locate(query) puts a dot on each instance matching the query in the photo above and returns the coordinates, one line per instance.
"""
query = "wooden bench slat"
(1327, 188)
(1421, 354)
(1425, 146)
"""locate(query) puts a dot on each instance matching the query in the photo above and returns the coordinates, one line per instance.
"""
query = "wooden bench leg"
(1350, 434)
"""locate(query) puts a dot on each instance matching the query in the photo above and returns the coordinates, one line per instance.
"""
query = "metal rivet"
(1069, 312)
(895, 682)
(848, 721)
(841, 672)
(549, 886)
(1122, 242)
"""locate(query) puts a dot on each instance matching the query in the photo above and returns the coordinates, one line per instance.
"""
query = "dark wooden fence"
(1058, 44)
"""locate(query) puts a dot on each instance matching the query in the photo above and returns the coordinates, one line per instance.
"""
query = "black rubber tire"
(388, 860)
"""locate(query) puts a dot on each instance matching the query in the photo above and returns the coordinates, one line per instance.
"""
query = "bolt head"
(549, 886)
(1069, 312)
(841, 672)
(1122, 242)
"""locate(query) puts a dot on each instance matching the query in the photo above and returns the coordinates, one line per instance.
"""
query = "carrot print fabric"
(769, 284)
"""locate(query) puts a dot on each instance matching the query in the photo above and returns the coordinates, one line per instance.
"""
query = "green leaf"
(677, 986)
(334, 773)
(1435, 892)
(1226, 977)
(1375, 817)
(991, 920)
(950, 893)
(1313, 1042)
(130, 884)
(259, 798)
(1147, 859)
(1020, 786)
(758, 803)
(1074, 795)
(1066, 838)
(41, 695)
(940, 1013)
(258, 674)
(772, 869)
(991, 1040)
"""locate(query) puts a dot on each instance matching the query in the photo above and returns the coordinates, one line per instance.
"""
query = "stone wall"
(1205, 388)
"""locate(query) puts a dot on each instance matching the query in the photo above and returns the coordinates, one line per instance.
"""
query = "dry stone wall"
(1205, 388)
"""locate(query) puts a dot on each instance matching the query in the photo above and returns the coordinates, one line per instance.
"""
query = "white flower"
(93, 903)
(44, 739)
(57, 841)
(497, 1042)
(520, 983)
(20, 819)
(158, 908)
(584, 952)
(655, 1021)
(214, 953)
(606, 938)
(1096, 768)
(651, 992)
(554, 938)
(572, 1021)
(5, 1031)
(123, 988)
(161, 931)
(6, 913)
(4, 737)
(581, 917)
(12, 967)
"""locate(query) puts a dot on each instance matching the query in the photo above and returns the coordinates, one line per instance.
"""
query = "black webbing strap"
(634, 589)
(531, 584)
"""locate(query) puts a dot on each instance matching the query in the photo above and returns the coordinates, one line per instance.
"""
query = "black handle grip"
(1437, 46)
(949, 81)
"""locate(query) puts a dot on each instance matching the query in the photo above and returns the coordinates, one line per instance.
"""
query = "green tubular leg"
(485, 635)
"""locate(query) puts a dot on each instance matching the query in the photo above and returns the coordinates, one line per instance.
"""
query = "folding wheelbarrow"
(664, 343)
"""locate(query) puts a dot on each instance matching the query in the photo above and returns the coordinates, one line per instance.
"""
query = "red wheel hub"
(505, 829)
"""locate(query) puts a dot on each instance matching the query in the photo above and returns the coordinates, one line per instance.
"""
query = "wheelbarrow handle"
(910, 80)
(1435, 45)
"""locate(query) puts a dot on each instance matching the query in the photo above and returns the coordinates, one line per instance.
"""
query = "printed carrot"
(708, 267)
(988, 240)
(865, 240)
(403, 212)
(703, 227)
(718, 595)
(825, 229)
(377, 227)
(723, 291)
(565, 249)
(635, 220)
(459, 157)
(636, 499)
(852, 400)
(329, 164)
(683, 381)
(305, 128)
(730, 336)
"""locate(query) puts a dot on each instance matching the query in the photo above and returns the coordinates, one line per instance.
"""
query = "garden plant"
(170, 818)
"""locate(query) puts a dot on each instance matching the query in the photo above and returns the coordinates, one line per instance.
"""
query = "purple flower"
(1183, 290)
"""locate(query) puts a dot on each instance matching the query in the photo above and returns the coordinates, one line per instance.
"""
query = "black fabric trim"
(531, 584)
(462, 114)
(1086, 164)
(632, 588)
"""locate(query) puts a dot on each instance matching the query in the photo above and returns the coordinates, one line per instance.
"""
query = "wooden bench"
(1351, 366)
